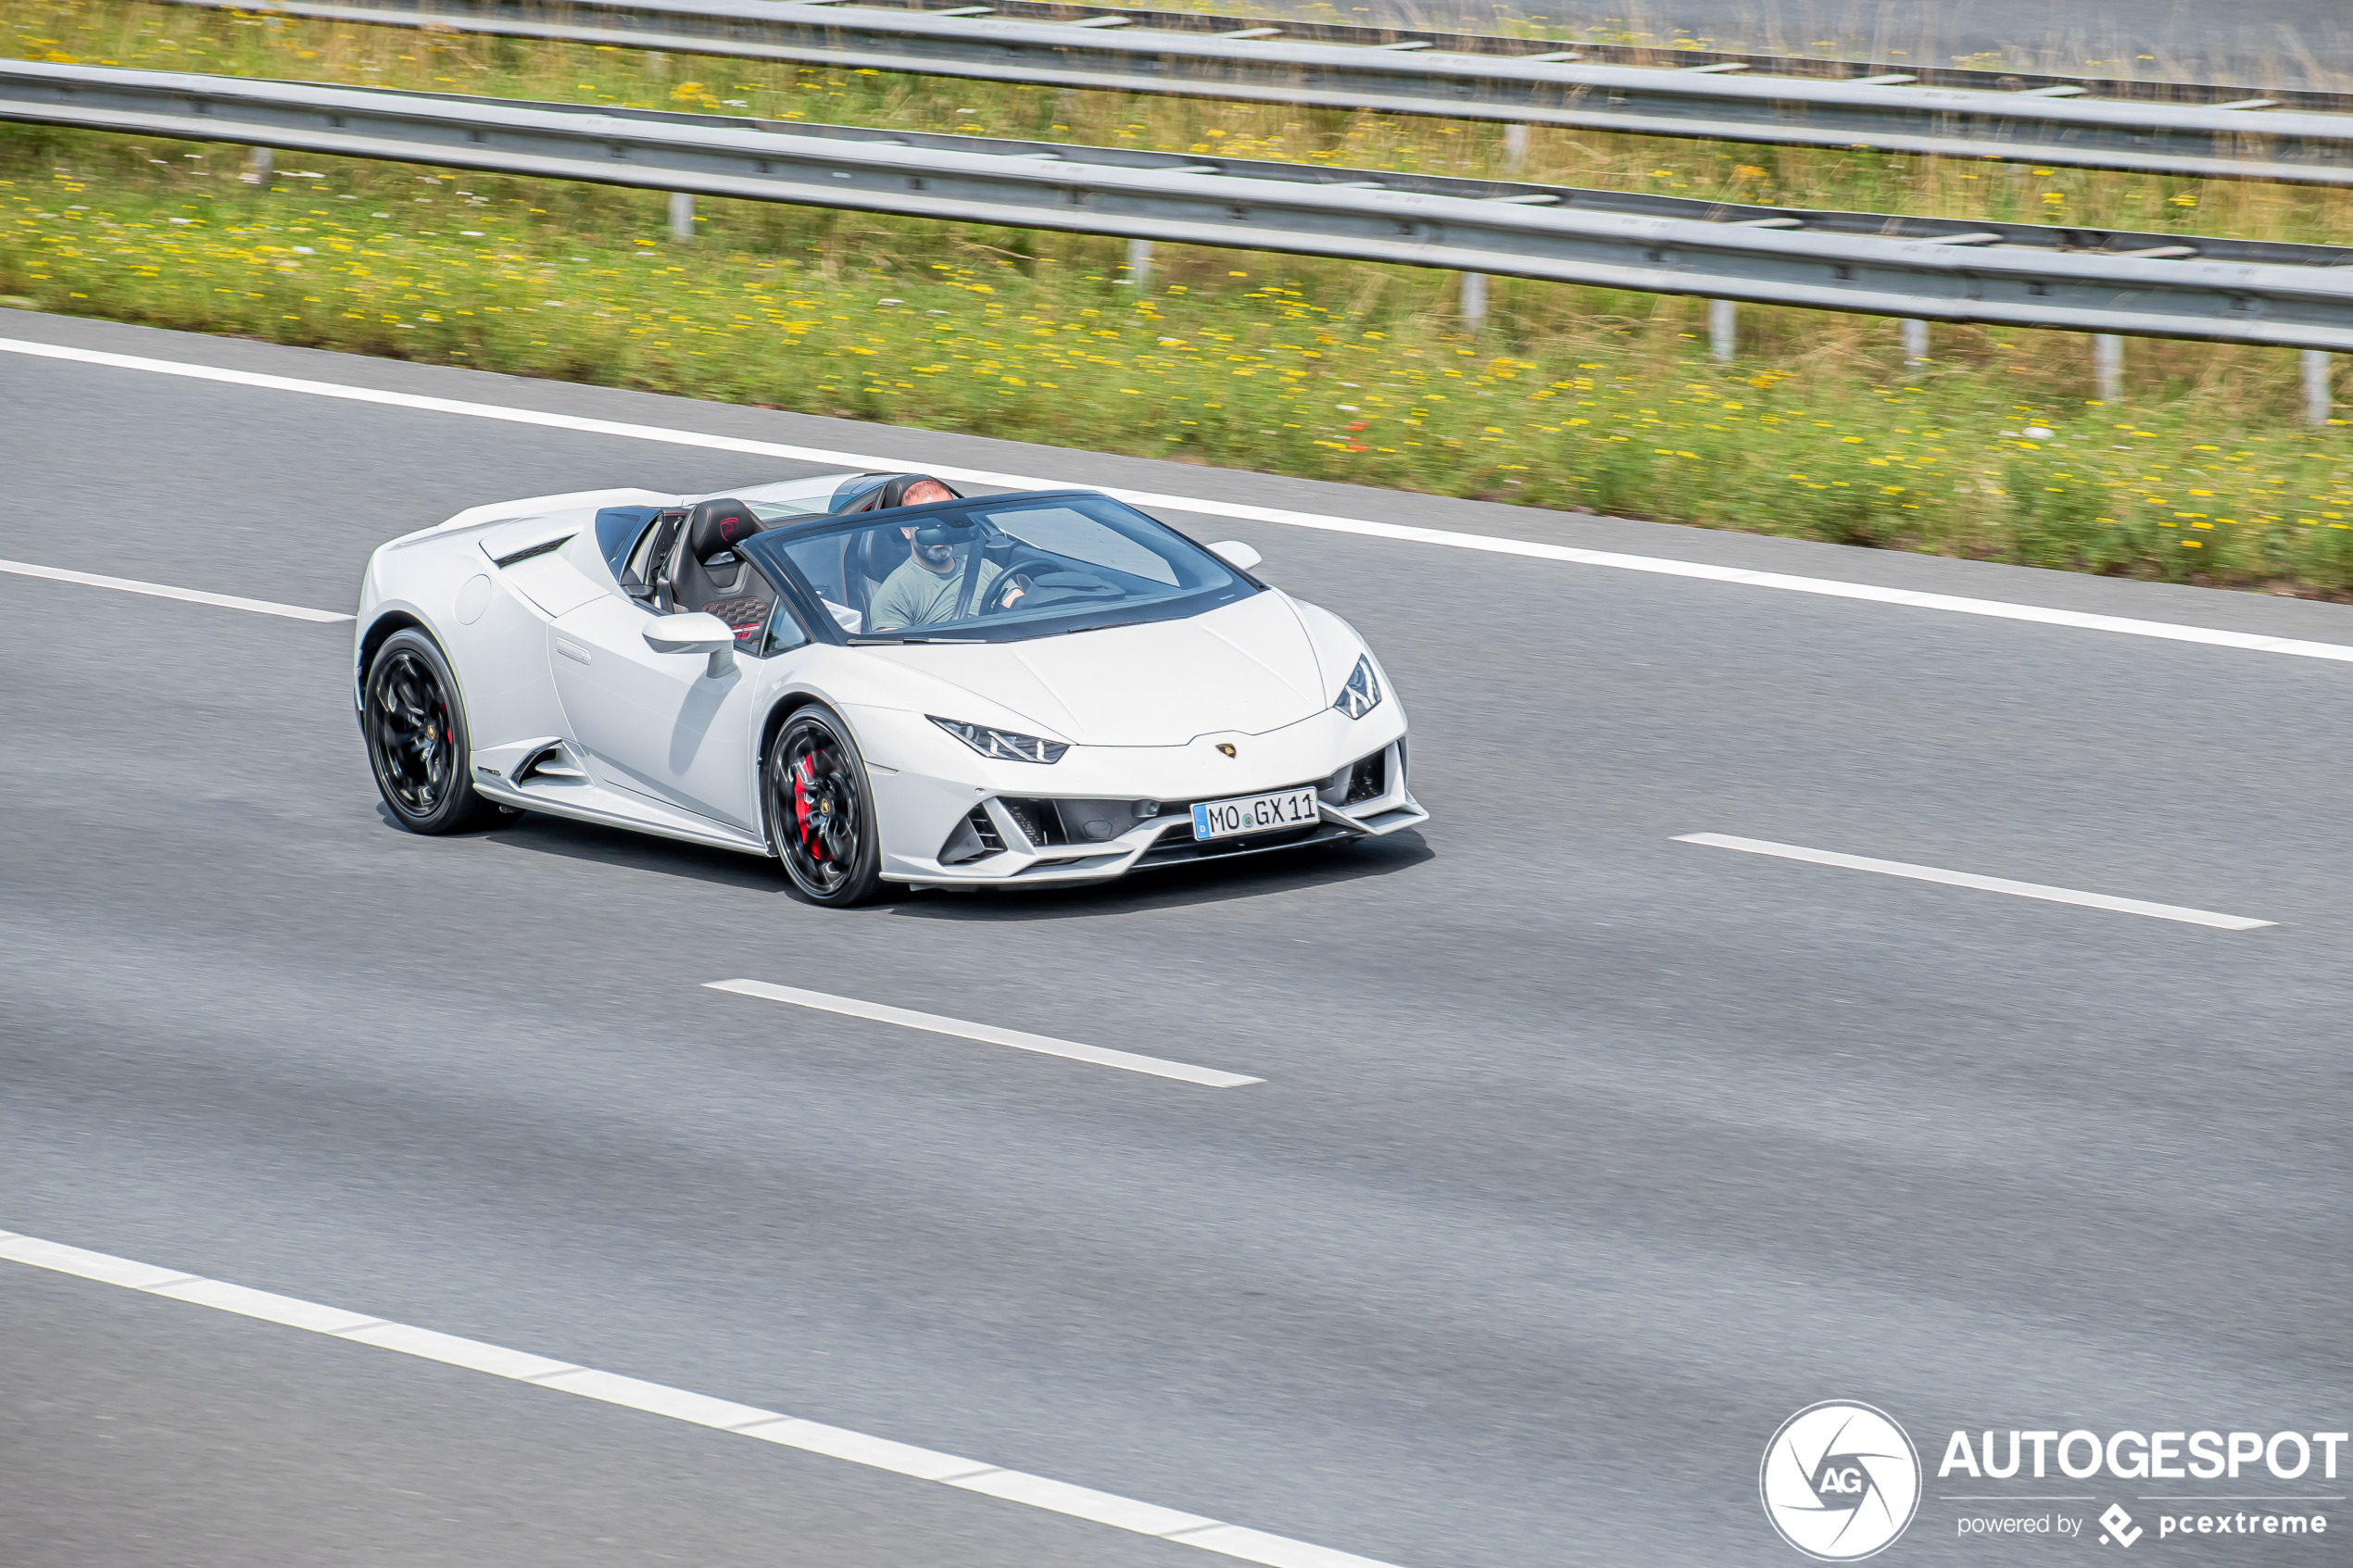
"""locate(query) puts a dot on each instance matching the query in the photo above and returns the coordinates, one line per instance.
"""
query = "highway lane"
(1585, 1157)
(187, 1437)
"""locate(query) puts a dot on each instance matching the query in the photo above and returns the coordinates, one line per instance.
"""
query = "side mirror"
(1233, 552)
(698, 633)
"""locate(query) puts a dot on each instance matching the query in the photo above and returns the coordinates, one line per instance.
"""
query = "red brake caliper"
(804, 779)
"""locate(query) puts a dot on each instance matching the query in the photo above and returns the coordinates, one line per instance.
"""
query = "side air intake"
(975, 838)
(552, 763)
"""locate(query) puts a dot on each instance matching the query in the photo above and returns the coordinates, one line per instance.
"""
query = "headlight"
(1362, 693)
(1006, 745)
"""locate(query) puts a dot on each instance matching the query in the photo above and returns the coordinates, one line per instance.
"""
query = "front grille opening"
(1040, 821)
(1364, 779)
(975, 838)
(1053, 823)
(1096, 821)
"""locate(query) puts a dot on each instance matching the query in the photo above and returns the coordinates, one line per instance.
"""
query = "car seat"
(873, 554)
(711, 578)
(871, 492)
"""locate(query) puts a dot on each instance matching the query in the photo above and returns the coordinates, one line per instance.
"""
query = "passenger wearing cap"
(923, 589)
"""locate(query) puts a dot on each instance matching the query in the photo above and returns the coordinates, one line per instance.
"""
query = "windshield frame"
(767, 550)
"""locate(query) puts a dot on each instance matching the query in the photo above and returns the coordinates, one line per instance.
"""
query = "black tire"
(415, 725)
(821, 810)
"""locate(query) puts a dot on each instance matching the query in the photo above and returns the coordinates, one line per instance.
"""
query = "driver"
(923, 590)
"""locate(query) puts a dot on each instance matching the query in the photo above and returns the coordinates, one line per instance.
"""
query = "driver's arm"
(996, 585)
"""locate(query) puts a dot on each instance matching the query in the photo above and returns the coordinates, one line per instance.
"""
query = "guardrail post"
(2316, 385)
(1472, 299)
(2107, 366)
(1461, 222)
(1514, 148)
(1140, 264)
(1723, 330)
(259, 165)
(1915, 342)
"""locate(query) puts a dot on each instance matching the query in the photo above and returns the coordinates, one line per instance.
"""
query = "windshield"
(999, 570)
(787, 499)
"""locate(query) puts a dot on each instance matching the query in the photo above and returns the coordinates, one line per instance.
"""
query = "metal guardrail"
(2072, 279)
(2297, 136)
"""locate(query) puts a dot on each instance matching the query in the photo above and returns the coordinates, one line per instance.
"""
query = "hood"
(1244, 668)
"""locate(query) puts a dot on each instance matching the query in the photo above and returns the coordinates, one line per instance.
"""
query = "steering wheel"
(1019, 572)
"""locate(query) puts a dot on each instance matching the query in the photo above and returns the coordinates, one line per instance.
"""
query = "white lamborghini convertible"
(874, 679)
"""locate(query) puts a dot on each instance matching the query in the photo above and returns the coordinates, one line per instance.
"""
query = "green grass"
(1571, 398)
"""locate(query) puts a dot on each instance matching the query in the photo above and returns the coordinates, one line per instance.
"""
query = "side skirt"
(588, 803)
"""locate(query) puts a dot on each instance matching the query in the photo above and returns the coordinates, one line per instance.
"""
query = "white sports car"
(874, 679)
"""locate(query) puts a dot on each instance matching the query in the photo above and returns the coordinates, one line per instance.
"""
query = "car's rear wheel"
(417, 741)
(821, 810)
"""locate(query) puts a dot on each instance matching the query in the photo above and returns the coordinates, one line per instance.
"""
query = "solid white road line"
(1970, 879)
(679, 1404)
(1045, 1043)
(162, 591)
(1949, 603)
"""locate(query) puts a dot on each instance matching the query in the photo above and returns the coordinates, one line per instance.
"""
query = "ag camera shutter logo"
(1841, 1481)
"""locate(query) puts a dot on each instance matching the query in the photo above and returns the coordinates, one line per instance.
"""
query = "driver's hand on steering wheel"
(1013, 591)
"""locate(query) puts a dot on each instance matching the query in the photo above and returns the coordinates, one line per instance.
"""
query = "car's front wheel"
(417, 741)
(821, 810)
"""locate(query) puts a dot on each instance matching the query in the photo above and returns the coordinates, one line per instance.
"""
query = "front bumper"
(1019, 829)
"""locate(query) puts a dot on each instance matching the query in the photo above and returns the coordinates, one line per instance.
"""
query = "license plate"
(1254, 814)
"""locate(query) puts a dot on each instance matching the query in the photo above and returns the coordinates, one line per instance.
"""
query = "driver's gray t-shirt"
(915, 596)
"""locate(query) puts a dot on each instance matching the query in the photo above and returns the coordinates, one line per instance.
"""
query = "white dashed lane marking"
(1971, 879)
(680, 1404)
(164, 591)
(1045, 1044)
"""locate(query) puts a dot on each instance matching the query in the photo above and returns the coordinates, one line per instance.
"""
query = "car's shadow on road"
(591, 843)
(1176, 887)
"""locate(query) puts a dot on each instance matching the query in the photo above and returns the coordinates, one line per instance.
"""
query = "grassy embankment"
(1570, 397)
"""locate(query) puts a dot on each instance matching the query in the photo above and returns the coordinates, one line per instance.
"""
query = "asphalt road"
(1584, 1157)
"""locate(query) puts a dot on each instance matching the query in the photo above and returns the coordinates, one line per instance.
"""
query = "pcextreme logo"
(1841, 1481)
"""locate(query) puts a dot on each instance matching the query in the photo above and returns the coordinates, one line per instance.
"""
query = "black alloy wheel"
(820, 814)
(417, 741)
